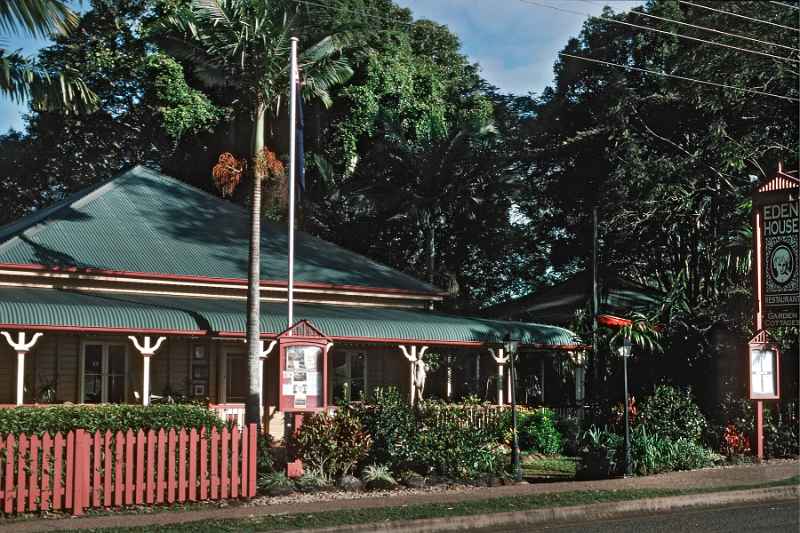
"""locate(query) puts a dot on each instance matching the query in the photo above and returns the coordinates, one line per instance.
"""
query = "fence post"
(252, 434)
(79, 457)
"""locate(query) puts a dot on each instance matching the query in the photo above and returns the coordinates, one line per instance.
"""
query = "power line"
(768, 43)
(784, 5)
(664, 74)
(674, 34)
(701, 6)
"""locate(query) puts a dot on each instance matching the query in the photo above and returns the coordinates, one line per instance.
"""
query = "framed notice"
(303, 363)
(764, 368)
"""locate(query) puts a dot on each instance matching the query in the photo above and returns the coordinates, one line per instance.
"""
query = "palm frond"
(21, 79)
(40, 18)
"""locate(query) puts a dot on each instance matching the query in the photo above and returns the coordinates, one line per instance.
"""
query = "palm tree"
(20, 78)
(243, 46)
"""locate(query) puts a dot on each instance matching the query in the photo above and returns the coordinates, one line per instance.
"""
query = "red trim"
(90, 329)
(229, 281)
(611, 321)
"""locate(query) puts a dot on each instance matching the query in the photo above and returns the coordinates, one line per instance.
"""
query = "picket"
(47, 443)
(129, 467)
(224, 479)
(140, 467)
(119, 446)
(193, 465)
(58, 463)
(204, 475)
(80, 470)
(182, 466)
(235, 462)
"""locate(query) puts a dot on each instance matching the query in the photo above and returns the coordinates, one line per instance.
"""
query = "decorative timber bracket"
(147, 349)
(418, 372)
(501, 358)
(22, 346)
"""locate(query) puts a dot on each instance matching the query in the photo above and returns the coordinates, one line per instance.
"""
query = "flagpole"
(292, 163)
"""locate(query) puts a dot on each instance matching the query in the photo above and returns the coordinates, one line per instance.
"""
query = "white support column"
(264, 354)
(413, 356)
(449, 379)
(541, 373)
(501, 358)
(147, 349)
(22, 346)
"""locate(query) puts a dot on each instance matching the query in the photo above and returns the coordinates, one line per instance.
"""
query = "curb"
(578, 513)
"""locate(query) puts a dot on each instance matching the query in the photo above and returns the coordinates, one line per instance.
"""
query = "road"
(767, 517)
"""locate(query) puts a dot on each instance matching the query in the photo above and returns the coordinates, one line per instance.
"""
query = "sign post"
(776, 226)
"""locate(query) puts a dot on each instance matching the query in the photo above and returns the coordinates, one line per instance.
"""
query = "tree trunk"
(431, 251)
(253, 406)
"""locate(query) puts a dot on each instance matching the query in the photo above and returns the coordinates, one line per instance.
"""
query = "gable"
(145, 222)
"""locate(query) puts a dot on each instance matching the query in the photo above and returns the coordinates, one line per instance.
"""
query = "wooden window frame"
(104, 373)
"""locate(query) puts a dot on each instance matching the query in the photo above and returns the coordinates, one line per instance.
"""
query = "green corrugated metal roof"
(143, 221)
(51, 307)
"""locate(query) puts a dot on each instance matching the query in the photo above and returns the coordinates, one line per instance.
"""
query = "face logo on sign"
(782, 262)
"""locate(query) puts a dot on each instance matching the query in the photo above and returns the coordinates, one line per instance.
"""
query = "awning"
(54, 309)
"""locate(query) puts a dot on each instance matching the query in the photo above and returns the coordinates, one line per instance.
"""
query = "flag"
(298, 139)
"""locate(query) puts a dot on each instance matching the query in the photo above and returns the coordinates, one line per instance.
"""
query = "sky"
(515, 42)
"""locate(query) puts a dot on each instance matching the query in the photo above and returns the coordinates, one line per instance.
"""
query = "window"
(349, 375)
(103, 373)
(236, 378)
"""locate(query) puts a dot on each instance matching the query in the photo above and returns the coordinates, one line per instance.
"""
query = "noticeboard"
(303, 368)
(764, 367)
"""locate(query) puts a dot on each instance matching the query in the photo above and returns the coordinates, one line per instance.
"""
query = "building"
(139, 284)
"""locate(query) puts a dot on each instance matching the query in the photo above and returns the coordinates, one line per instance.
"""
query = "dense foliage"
(673, 414)
(113, 417)
(430, 440)
(537, 431)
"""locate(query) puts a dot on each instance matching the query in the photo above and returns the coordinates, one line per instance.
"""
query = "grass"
(431, 510)
(550, 467)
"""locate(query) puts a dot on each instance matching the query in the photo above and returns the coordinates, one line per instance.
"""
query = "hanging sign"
(777, 242)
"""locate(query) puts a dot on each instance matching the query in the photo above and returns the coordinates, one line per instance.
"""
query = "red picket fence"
(106, 469)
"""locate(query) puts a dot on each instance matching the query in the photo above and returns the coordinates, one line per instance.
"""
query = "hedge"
(105, 417)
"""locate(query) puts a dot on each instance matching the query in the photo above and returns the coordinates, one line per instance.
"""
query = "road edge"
(576, 513)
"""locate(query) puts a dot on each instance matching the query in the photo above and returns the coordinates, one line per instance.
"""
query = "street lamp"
(511, 350)
(625, 352)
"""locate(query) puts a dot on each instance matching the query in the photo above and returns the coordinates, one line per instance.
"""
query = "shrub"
(434, 437)
(274, 482)
(781, 432)
(537, 431)
(671, 413)
(653, 453)
(374, 473)
(332, 444)
(570, 430)
(312, 481)
(598, 454)
(393, 426)
(104, 417)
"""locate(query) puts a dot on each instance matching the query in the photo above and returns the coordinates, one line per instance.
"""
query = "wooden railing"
(230, 413)
(79, 470)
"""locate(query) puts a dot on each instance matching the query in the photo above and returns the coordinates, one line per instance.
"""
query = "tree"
(669, 163)
(21, 78)
(243, 46)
